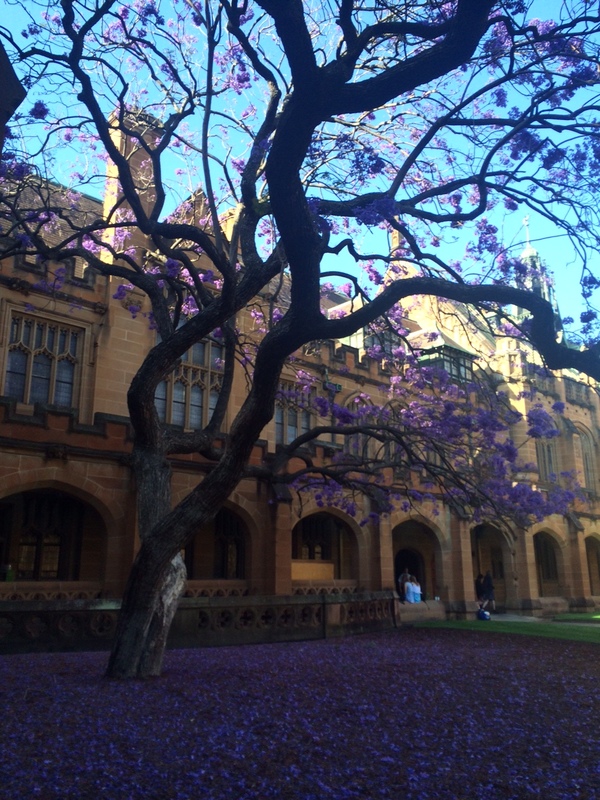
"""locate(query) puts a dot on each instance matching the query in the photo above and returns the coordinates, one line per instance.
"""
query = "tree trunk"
(155, 582)
(147, 611)
(158, 573)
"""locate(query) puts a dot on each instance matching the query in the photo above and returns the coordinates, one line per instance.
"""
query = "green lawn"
(549, 630)
(592, 618)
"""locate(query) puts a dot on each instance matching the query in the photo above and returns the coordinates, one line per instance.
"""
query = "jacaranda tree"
(266, 138)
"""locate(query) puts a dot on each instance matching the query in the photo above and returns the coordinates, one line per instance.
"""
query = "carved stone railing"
(228, 588)
(49, 590)
(324, 587)
(38, 625)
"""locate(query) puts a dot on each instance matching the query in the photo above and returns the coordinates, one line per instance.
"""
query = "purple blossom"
(39, 110)
(172, 267)
(331, 754)
(377, 211)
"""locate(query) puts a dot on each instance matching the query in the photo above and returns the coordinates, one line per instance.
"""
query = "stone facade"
(267, 567)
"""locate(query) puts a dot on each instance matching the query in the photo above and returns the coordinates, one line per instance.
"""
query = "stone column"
(528, 592)
(278, 555)
(579, 579)
(383, 555)
(458, 566)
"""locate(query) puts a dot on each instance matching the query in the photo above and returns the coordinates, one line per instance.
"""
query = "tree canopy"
(359, 143)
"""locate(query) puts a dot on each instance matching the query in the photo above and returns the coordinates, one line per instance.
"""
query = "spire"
(530, 255)
(539, 280)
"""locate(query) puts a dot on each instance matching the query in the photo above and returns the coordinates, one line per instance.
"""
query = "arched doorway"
(592, 549)
(490, 553)
(413, 561)
(417, 548)
(324, 550)
(219, 551)
(50, 535)
(547, 563)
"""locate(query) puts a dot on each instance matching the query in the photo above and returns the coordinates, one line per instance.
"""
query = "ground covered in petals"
(416, 714)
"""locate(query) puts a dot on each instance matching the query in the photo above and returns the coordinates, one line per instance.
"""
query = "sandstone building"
(267, 567)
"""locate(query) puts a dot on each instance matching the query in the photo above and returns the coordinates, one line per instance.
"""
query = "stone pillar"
(510, 558)
(458, 566)
(384, 555)
(579, 579)
(528, 592)
(278, 555)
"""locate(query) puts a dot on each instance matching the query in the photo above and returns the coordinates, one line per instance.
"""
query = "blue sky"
(555, 249)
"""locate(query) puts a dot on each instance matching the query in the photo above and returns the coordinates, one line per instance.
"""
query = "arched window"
(43, 362)
(359, 445)
(326, 539)
(546, 561)
(218, 551)
(49, 535)
(592, 547)
(547, 459)
(583, 455)
(293, 415)
(188, 397)
(545, 556)
(230, 550)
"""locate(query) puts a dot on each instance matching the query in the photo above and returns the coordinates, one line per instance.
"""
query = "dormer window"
(457, 363)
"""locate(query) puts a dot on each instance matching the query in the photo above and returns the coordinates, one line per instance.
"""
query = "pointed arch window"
(545, 556)
(548, 464)
(230, 550)
(50, 539)
(188, 397)
(360, 445)
(293, 415)
(584, 455)
(43, 362)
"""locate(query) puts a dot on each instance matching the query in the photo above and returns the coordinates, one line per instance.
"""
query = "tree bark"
(147, 611)
(156, 583)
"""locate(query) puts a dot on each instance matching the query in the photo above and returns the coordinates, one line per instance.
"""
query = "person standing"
(403, 579)
(479, 588)
(416, 589)
(488, 591)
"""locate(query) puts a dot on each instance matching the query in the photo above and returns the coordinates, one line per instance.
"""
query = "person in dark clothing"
(402, 581)
(479, 588)
(488, 591)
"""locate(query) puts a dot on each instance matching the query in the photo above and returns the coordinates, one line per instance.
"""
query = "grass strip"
(548, 630)
(592, 619)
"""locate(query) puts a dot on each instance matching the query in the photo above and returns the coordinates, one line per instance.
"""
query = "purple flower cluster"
(351, 718)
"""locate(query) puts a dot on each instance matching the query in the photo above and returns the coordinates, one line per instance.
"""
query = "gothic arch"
(592, 550)
(584, 454)
(549, 563)
(50, 533)
(79, 491)
(417, 546)
(222, 549)
(492, 550)
(360, 533)
(326, 549)
(442, 535)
